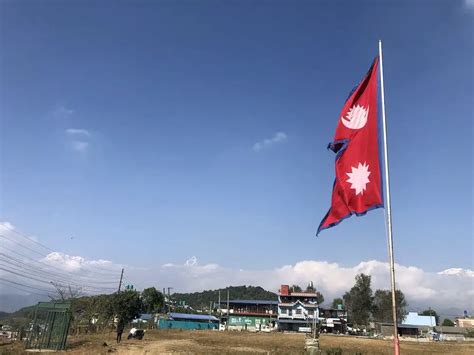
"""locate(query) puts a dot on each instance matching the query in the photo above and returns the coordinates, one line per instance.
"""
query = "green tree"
(336, 302)
(431, 312)
(382, 307)
(296, 288)
(359, 300)
(447, 323)
(152, 300)
(126, 305)
(320, 297)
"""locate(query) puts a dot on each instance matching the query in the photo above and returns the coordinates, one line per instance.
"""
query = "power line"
(53, 274)
(27, 238)
(37, 243)
(88, 277)
(24, 286)
(32, 277)
(110, 273)
(35, 273)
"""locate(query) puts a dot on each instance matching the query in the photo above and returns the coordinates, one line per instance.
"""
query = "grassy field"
(211, 342)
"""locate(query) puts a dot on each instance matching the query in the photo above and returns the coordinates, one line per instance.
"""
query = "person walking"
(120, 327)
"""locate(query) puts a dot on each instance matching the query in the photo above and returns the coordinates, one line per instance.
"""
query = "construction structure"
(333, 320)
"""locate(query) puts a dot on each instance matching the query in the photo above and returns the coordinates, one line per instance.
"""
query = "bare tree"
(65, 292)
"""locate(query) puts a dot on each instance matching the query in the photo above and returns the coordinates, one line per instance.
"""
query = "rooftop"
(414, 318)
(192, 316)
(252, 302)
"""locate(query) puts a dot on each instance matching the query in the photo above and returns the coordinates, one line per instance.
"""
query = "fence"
(50, 326)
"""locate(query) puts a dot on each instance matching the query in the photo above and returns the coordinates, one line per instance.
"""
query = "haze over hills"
(10, 302)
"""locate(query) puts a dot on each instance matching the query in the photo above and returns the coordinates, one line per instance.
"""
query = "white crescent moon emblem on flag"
(356, 117)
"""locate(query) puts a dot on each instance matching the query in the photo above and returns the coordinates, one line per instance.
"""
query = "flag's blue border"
(345, 217)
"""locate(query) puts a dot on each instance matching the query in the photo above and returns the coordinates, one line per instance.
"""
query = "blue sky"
(131, 127)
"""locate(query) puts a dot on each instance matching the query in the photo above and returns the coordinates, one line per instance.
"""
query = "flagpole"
(396, 343)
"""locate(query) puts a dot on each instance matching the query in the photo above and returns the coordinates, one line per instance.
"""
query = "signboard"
(248, 320)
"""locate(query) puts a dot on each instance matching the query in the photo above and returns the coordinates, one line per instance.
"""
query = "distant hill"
(18, 317)
(4, 315)
(201, 299)
(12, 302)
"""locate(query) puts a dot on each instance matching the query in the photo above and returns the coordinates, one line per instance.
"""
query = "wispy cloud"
(80, 146)
(78, 132)
(79, 139)
(62, 111)
(469, 4)
(278, 137)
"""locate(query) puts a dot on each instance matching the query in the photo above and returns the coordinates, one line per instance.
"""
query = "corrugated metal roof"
(308, 305)
(413, 318)
(192, 316)
(255, 302)
(301, 294)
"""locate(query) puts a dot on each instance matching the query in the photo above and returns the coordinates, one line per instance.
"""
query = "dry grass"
(212, 342)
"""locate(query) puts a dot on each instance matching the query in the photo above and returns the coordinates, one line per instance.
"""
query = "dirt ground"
(213, 342)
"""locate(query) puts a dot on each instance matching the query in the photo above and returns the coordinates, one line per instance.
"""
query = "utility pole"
(169, 299)
(164, 297)
(120, 282)
(228, 311)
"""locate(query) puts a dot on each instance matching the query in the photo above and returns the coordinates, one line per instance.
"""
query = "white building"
(296, 310)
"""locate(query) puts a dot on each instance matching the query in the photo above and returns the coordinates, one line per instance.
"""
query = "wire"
(37, 243)
(25, 286)
(36, 273)
(90, 278)
(35, 278)
(44, 255)
(53, 274)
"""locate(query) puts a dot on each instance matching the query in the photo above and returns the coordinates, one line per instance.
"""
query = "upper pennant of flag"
(359, 178)
(356, 117)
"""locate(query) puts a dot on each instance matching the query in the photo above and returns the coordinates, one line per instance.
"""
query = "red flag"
(358, 185)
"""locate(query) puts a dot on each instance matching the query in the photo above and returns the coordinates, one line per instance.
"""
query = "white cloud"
(80, 146)
(62, 111)
(76, 263)
(78, 132)
(278, 137)
(446, 288)
(78, 139)
(469, 4)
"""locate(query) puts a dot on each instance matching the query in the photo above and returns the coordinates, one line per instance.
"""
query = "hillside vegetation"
(202, 299)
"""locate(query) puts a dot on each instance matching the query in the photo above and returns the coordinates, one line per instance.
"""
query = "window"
(298, 311)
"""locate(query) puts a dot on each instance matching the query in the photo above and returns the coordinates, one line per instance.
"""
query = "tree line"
(363, 305)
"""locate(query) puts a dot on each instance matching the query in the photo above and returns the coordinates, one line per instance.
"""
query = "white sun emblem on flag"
(359, 178)
(356, 117)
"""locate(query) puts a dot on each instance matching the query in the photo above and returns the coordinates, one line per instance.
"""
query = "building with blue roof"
(413, 318)
(188, 321)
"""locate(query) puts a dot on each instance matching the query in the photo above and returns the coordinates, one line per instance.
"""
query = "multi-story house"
(297, 311)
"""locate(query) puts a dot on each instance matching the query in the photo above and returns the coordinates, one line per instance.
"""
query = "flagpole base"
(396, 346)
